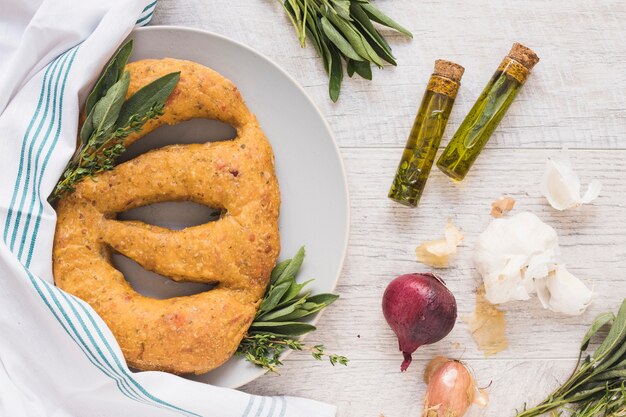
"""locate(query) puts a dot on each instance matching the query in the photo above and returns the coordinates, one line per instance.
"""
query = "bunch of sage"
(110, 119)
(277, 323)
(342, 30)
(597, 385)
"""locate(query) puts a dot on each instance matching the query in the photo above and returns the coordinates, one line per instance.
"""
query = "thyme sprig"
(110, 119)
(277, 324)
(343, 30)
(597, 384)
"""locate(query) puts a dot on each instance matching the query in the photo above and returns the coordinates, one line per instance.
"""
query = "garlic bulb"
(517, 256)
(561, 185)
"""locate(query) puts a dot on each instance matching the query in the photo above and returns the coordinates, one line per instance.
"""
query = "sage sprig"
(597, 385)
(110, 119)
(277, 323)
(342, 30)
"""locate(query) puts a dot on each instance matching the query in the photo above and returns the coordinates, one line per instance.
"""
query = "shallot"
(420, 309)
(451, 389)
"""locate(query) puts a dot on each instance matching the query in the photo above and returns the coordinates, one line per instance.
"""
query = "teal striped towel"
(57, 357)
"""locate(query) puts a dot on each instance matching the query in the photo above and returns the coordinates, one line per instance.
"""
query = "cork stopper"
(524, 55)
(449, 69)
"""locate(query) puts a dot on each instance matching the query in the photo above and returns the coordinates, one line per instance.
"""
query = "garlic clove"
(562, 292)
(561, 185)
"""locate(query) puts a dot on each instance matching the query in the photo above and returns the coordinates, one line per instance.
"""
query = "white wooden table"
(576, 97)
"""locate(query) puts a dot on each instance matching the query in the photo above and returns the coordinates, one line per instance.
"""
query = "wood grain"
(574, 98)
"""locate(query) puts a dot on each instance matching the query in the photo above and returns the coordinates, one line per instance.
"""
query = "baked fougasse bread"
(197, 333)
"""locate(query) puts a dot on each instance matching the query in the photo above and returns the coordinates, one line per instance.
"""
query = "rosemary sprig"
(278, 323)
(342, 30)
(597, 384)
(110, 119)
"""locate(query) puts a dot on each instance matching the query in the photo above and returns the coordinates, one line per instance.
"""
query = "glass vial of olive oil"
(423, 142)
(464, 147)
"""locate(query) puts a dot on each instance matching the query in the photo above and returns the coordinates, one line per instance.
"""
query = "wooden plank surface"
(575, 98)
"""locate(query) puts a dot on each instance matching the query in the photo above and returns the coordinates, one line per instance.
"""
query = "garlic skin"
(517, 256)
(437, 253)
(561, 185)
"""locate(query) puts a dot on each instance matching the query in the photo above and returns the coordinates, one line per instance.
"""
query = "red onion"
(420, 309)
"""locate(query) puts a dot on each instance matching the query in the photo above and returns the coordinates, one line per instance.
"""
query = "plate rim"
(348, 212)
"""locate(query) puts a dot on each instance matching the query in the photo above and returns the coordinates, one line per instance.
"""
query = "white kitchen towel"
(57, 357)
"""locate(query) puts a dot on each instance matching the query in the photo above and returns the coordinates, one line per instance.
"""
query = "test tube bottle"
(475, 130)
(431, 120)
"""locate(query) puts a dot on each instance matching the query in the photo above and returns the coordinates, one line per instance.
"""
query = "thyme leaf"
(277, 323)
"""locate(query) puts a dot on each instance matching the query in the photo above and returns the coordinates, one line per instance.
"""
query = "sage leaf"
(377, 42)
(147, 98)
(279, 269)
(610, 375)
(304, 311)
(615, 337)
(275, 293)
(327, 56)
(336, 75)
(612, 358)
(358, 42)
(342, 8)
(276, 314)
(107, 109)
(295, 289)
(378, 16)
(325, 299)
(602, 320)
(363, 68)
(290, 328)
(339, 41)
(86, 129)
(293, 300)
(292, 269)
(112, 73)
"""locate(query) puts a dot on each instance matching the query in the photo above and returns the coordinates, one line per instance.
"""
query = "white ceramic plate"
(314, 210)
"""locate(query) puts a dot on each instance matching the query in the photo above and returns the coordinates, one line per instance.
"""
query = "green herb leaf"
(616, 336)
(107, 109)
(278, 270)
(377, 42)
(275, 326)
(598, 382)
(599, 322)
(154, 94)
(326, 299)
(111, 74)
(280, 313)
(357, 41)
(288, 328)
(274, 295)
(378, 16)
(86, 129)
(362, 68)
(336, 75)
(295, 289)
(339, 41)
(292, 269)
